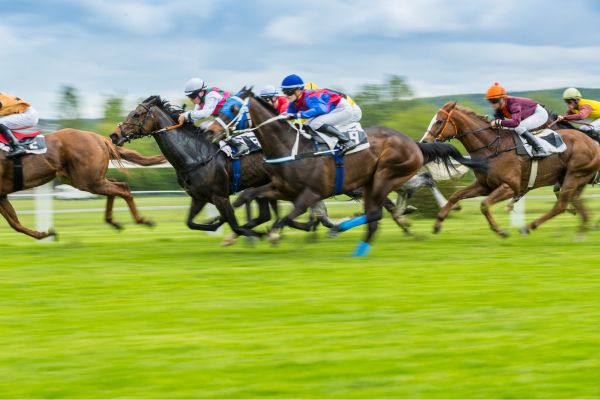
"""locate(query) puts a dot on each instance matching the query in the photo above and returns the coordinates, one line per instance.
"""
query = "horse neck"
(276, 138)
(466, 125)
(182, 146)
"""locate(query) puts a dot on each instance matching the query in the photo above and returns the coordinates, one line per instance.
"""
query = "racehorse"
(203, 171)
(390, 161)
(509, 174)
(80, 157)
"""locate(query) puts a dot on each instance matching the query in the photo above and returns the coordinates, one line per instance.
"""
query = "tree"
(397, 88)
(68, 107)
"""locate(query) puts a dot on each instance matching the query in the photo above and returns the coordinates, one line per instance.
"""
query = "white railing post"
(517, 216)
(44, 209)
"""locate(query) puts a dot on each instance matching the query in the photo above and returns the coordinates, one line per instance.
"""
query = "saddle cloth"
(248, 138)
(550, 141)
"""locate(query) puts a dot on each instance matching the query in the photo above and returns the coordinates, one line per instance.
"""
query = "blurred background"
(167, 313)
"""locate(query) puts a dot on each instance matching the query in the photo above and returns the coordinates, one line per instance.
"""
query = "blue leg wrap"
(352, 223)
(362, 249)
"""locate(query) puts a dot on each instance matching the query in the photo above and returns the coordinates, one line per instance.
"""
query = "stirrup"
(16, 152)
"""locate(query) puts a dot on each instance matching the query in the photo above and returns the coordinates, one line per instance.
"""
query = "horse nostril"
(114, 137)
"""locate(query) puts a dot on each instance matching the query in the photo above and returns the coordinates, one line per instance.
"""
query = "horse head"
(143, 120)
(442, 127)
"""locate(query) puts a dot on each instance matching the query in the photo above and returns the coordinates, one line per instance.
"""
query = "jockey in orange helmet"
(517, 113)
(15, 113)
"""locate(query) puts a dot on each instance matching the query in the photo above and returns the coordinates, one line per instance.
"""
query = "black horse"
(203, 171)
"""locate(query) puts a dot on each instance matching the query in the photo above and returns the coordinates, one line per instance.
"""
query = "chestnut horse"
(81, 157)
(390, 161)
(509, 174)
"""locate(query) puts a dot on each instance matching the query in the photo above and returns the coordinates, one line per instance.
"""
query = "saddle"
(34, 142)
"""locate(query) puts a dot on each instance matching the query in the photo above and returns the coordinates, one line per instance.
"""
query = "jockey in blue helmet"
(323, 109)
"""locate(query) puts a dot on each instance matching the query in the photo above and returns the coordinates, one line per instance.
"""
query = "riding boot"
(344, 143)
(241, 148)
(17, 148)
(533, 141)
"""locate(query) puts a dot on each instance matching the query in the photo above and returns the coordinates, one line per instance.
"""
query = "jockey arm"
(210, 103)
(515, 111)
(583, 113)
(316, 106)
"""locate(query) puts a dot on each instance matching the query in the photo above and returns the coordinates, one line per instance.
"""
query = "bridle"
(139, 130)
(458, 135)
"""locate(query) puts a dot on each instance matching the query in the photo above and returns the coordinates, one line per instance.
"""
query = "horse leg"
(580, 207)
(9, 213)
(502, 192)
(397, 216)
(319, 210)
(305, 199)
(473, 190)
(569, 188)
(195, 208)
(264, 214)
(121, 189)
(108, 213)
(226, 210)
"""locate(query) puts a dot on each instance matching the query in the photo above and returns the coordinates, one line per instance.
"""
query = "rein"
(141, 133)
(458, 135)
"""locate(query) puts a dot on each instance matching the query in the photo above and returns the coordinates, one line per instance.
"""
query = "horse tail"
(117, 154)
(445, 152)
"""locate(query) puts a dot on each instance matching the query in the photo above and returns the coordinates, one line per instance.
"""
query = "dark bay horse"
(203, 171)
(509, 174)
(390, 161)
(81, 158)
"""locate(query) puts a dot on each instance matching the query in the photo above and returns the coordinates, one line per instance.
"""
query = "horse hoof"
(362, 249)
(274, 237)
(333, 232)
(117, 225)
(503, 233)
(229, 240)
(436, 229)
(149, 223)
(524, 231)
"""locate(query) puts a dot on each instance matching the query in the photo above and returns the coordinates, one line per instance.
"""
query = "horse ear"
(449, 105)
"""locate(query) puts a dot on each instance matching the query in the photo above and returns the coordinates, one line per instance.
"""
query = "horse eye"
(136, 115)
(439, 121)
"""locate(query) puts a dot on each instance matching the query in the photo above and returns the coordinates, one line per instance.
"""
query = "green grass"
(167, 313)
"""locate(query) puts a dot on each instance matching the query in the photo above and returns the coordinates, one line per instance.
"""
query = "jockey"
(271, 96)
(582, 110)
(208, 102)
(15, 113)
(323, 108)
(517, 113)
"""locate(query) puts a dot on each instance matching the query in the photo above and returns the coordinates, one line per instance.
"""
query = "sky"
(137, 48)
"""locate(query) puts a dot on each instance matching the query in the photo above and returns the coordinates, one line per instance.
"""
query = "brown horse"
(509, 173)
(82, 158)
(390, 161)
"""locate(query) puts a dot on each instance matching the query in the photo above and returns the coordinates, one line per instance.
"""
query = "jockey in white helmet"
(208, 102)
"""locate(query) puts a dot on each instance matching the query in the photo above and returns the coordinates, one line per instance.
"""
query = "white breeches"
(342, 114)
(594, 122)
(537, 119)
(24, 120)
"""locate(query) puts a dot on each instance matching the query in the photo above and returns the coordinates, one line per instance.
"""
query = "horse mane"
(171, 110)
(472, 113)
